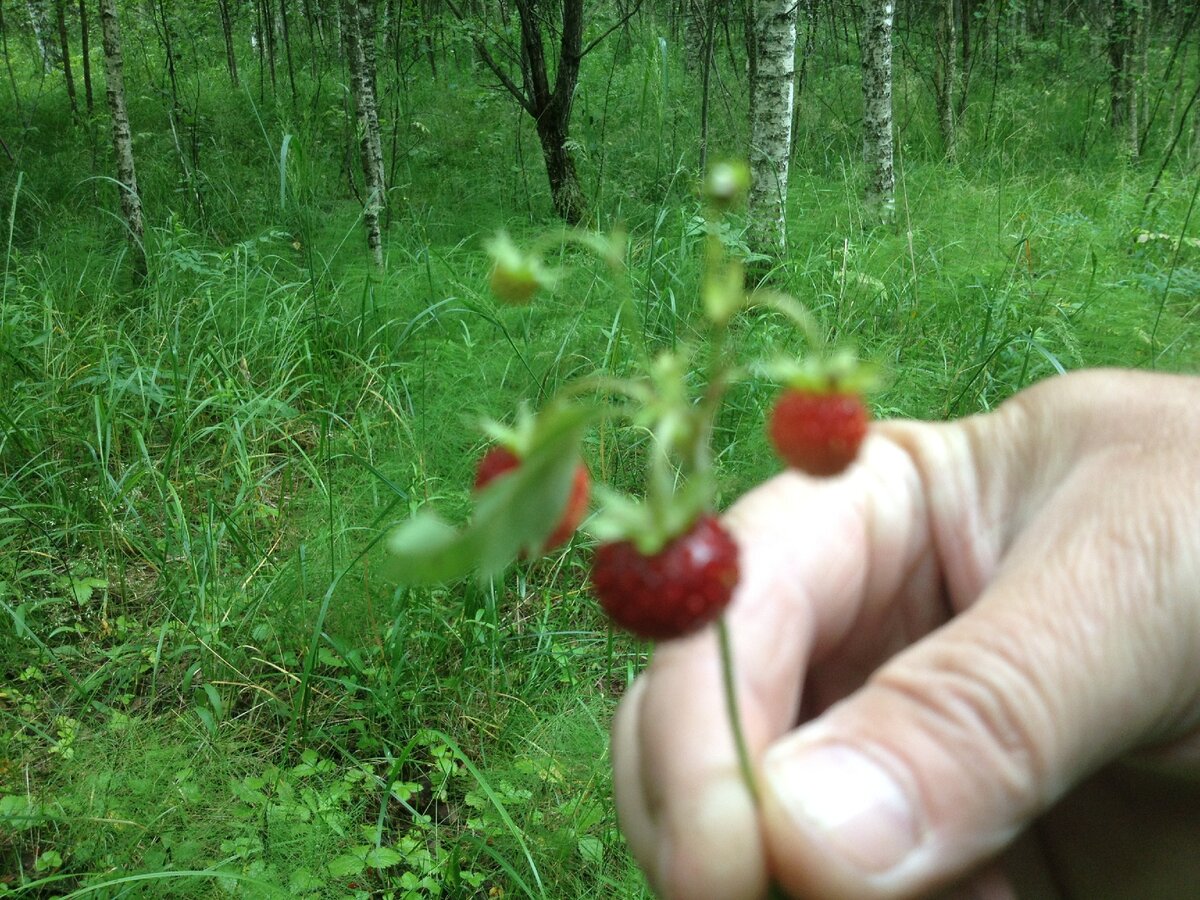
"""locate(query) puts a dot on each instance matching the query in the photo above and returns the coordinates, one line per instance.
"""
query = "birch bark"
(877, 113)
(131, 201)
(39, 19)
(771, 123)
(358, 28)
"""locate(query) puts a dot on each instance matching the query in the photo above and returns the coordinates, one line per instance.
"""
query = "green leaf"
(428, 550)
(514, 514)
(346, 864)
(591, 849)
(384, 857)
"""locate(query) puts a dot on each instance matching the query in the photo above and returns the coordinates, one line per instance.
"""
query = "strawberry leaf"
(514, 514)
(428, 550)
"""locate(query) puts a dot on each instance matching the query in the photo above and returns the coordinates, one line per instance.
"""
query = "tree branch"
(488, 60)
(593, 44)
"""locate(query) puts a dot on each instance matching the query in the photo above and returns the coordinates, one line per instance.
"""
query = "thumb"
(1082, 646)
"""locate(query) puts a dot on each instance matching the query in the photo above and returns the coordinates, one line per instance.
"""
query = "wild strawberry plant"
(664, 566)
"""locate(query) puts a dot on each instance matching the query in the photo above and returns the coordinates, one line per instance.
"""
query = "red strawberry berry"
(818, 433)
(677, 590)
(494, 463)
(499, 460)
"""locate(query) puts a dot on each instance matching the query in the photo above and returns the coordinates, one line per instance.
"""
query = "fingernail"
(851, 804)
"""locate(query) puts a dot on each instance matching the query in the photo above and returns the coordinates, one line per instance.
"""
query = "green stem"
(735, 717)
(774, 892)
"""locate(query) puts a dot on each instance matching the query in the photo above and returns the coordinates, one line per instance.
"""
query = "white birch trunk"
(39, 20)
(877, 112)
(131, 201)
(771, 122)
(358, 22)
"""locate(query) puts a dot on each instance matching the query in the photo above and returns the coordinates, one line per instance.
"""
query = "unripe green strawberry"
(499, 460)
(516, 275)
(515, 285)
(818, 432)
(682, 587)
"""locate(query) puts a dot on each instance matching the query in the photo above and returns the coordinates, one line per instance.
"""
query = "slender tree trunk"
(65, 49)
(804, 53)
(947, 76)
(1119, 32)
(877, 109)
(268, 29)
(368, 31)
(706, 64)
(227, 32)
(85, 50)
(39, 20)
(771, 123)
(287, 47)
(697, 13)
(357, 31)
(169, 54)
(1135, 63)
(131, 202)
(12, 78)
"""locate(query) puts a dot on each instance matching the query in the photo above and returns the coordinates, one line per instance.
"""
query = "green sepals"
(513, 515)
(516, 276)
(520, 437)
(648, 525)
(668, 410)
(841, 372)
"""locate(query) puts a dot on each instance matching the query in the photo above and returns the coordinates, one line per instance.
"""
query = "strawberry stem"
(735, 717)
(774, 892)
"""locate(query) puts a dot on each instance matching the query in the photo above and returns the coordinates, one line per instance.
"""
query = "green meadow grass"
(206, 688)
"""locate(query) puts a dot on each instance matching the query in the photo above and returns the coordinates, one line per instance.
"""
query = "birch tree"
(39, 20)
(877, 109)
(131, 202)
(358, 29)
(771, 122)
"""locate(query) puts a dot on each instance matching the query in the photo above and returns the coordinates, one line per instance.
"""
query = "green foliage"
(207, 688)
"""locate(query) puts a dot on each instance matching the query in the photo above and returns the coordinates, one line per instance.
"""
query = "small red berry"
(494, 463)
(681, 588)
(499, 460)
(818, 433)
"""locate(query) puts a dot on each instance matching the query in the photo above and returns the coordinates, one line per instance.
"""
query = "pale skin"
(968, 667)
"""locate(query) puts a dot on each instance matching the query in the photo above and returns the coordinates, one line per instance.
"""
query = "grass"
(205, 686)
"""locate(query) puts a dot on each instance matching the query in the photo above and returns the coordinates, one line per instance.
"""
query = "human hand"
(983, 624)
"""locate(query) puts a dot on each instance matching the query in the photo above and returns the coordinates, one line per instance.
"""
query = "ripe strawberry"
(679, 589)
(499, 460)
(818, 432)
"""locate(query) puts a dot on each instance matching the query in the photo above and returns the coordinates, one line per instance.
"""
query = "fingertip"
(712, 848)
